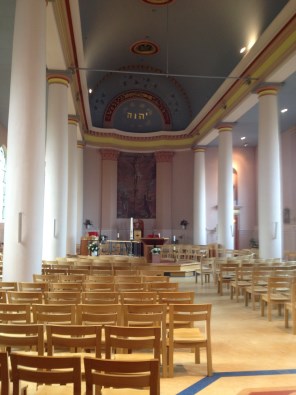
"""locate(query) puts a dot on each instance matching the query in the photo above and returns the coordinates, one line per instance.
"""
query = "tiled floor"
(248, 351)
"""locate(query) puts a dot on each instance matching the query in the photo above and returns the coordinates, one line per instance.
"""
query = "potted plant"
(88, 223)
(93, 248)
(155, 251)
(184, 223)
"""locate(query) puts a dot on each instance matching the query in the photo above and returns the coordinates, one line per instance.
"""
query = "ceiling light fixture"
(284, 110)
(243, 138)
(242, 50)
(90, 90)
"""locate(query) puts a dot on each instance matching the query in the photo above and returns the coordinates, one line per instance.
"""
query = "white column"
(26, 144)
(56, 168)
(164, 192)
(199, 198)
(225, 187)
(80, 150)
(109, 191)
(269, 175)
(72, 185)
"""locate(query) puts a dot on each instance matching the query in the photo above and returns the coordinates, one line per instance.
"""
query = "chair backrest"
(22, 336)
(118, 279)
(159, 287)
(65, 286)
(19, 297)
(4, 375)
(99, 297)
(33, 286)
(138, 297)
(77, 337)
(126, 272)
(126, 287)
(46, 370)
(3, 297)
(183, 297)
(66, 297)
(98, 287)
(122, 374)
(128, 339)
(155, 279)
(54, 313)
(8, 286)
(100, 278)
(279, 284)
(100, 314)
(15, 313)
(71, 278)
(45, 278)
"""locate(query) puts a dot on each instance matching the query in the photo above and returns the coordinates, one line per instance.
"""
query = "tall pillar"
(225, 187)
(26, 142)
(199, 198)
(164, 192)
(56, 168)
(79, 152)
(72, 185)
(269, 175)
(109, 190)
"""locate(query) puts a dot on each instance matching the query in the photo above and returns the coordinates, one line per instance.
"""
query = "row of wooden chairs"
(138, 321)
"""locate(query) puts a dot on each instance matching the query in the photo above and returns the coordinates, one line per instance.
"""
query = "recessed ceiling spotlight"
(90, 90)
(242, 50)
(246, 144)
(243, 138)
(284, 110)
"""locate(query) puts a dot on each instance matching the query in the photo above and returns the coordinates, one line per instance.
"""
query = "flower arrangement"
(184, 223)
(93, 247)
(155, 250)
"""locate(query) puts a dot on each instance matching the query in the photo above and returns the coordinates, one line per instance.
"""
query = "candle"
(132, 229)
(117, 235)
(174, 238)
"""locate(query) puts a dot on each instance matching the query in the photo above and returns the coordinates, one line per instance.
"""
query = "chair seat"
(189, 335)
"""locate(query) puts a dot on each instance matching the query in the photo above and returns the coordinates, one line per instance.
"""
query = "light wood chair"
(120, 279)
(8, 286)
(242, 280)
(127, 343)
(290, 308)
(47, 371)
(124, 377)
(194, 337)
(226, 275)
(94, 297)
(99, 314)
(102, 278)
(177, 297)
(20, 297)
(54, 314)
(72, 278)
(25, 337)
(45, 278)
(278, 293)
(4, 374)
(15, 313)
(98, 287)
(138, 297)
(258, 285)
(149, 315)
(130, 287)
(62, 297)
(205, 270)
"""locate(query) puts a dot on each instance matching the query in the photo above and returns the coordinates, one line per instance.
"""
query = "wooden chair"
(54, 314)
(98, 287)
(120, 279)
(138, 297)
(8, 286)
(46, 370)
(33, 286)
(161, 287)
(99, 297)
(25, 337)
(205, 270)
(149, 315)
(65, 287)
(290, 307)
(15, 313)
(155, 279)
(242, 280)
(190, 337)
(99, 314)
(4, 374)
(226, 275)
(102, 278)
(177, 297)
(258, 285)
(45, 278)
(62, 297)
(132, 376)
(278, 293)
(20, 297)
(71, 278)
(122, 341)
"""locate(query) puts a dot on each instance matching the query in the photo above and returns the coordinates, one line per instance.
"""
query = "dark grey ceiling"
(199, 42)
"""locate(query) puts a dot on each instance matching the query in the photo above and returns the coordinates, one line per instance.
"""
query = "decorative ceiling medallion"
(144, 47)
(158, 2)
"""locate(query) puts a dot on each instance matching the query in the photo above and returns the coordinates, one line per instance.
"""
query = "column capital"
(73, 120)
(267, 89)
(62, 77)
(199, 149)
(164, 156)
(225, 126)
(109, 154)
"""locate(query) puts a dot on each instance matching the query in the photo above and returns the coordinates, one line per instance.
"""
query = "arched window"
(2, 182)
